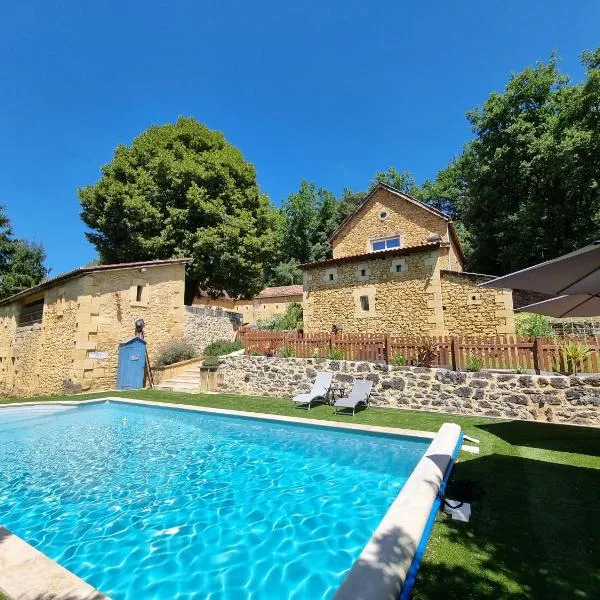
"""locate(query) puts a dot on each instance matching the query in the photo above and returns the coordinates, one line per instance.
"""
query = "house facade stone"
(413, 286)
(85, 314)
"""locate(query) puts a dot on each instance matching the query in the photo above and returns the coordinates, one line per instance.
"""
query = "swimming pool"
(154, 502)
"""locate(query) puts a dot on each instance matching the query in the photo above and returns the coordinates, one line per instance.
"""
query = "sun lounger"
(319, 391)
(361, 390)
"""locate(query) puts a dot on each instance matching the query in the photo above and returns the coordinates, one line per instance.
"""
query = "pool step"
(35, 409)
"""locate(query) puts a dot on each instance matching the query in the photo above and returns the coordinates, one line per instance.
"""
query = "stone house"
(64, 334)
(397, 267)
(269, 303)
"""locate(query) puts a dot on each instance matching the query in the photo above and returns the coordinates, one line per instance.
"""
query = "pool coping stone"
(28, 574)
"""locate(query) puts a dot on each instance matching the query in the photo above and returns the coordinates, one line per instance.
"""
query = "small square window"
(398, 268)
(139, 292)
(330, 276)
(364, 303)
(474, 299)
(363, 272)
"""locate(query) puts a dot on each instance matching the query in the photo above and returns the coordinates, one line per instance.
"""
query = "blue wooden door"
(132, 362)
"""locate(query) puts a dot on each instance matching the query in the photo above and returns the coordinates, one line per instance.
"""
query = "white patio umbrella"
(574, 273)
(578, 305)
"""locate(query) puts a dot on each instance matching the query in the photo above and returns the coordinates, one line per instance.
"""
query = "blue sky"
(329, 91)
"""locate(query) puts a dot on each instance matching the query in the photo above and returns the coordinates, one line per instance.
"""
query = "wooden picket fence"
(453, 352)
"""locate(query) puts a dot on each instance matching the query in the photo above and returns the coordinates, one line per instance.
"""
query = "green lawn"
(535, 528)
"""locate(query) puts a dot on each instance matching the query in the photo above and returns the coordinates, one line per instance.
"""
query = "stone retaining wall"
(204, 325)
(559, 399)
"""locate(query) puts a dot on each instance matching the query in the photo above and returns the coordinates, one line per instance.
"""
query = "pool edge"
(277, 418)
(28, 574)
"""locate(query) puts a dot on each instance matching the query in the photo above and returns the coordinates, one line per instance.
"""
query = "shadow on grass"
(562, 438)
(533, 534)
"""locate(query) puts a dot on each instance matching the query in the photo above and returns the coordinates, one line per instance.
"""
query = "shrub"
(399, 359)
(336, 354)
(474, 363)
(221, 347)
(175, 352)
(211, 361)
(290, 319)
(570, 355)
(287, 352)
(533, 325)
(428, 352)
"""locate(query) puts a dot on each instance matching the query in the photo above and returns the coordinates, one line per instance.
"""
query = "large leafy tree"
(401, 180)
(527, 187)
(307, 221)
(182, 190)
(21, 262)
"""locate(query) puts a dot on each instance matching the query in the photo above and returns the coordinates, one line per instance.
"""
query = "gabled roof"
(380, 185)
(283, 290)
(79, 272)
(372, 256)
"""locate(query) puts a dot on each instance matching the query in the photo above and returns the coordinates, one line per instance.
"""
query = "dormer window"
(385, 244)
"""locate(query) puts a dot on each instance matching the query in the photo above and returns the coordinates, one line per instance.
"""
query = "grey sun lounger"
(361, 390)
(319, 391)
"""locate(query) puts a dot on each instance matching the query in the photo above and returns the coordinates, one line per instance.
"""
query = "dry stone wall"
(558, 399)
(204, 325)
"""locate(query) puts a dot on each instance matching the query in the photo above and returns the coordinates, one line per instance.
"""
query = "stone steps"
(181, 377)
(187, 380)
(178, 386)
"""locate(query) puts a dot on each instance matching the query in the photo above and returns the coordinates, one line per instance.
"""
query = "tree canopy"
(526, 187)
(182, 190)
(21, 262)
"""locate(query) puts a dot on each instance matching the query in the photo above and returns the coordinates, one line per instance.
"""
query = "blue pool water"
(145, 502)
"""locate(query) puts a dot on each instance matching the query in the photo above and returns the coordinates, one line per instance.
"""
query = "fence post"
(454, 353)
(537, 354)
(330, 343)
(388, 349)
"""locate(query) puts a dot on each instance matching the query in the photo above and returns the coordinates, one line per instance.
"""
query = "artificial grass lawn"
(535, 528)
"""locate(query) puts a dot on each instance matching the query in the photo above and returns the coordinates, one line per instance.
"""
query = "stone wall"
(204, 325)
(420, 299)
(24, 358)
(414, 224)
(251, 311)
(558, 399)
(398, 302)
(472, 310)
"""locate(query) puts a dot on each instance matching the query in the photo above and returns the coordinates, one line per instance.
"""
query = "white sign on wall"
(99, 355)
